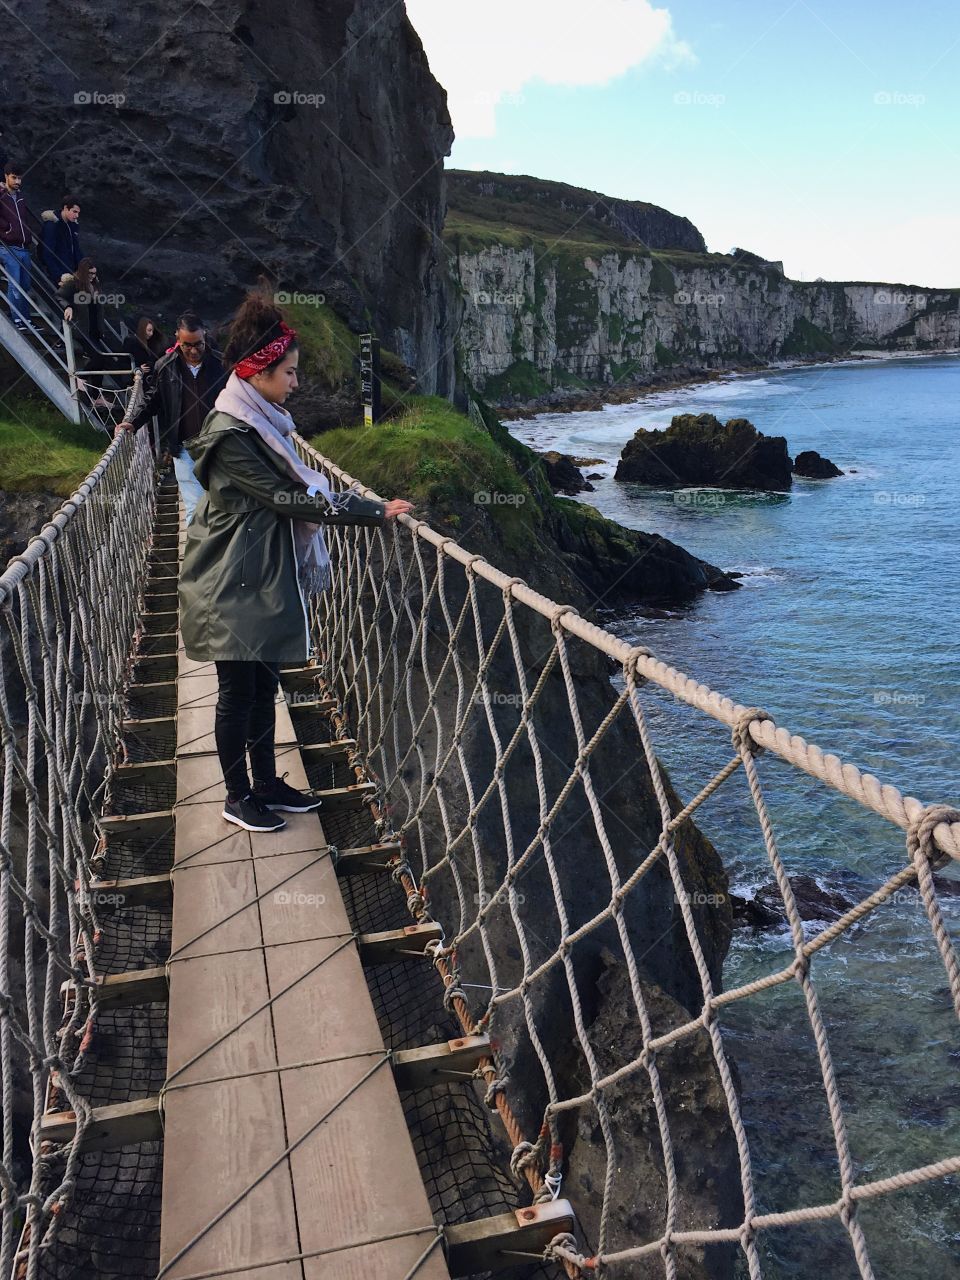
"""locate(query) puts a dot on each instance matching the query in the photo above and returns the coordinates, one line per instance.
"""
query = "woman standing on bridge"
(254, 552)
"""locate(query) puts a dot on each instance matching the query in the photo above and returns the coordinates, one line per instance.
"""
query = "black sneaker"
(252, 814)
(280, 796)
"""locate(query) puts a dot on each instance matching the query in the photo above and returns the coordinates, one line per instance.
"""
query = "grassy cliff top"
(532, 205)
(40, 451)
(436, 457)
(519, 205)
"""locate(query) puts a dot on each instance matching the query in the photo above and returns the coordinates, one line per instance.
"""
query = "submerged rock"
(563, 474)
(766, 910)
(814, 466)
(697, 449)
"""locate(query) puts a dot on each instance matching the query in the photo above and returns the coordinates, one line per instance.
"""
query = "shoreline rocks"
(563, 474)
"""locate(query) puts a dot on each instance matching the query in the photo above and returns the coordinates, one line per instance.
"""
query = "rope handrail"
(845, 777)
(516, 767)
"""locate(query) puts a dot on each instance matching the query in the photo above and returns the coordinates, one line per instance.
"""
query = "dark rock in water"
(813, 903)
(814, 466)
(754, 913)
(563, 474)
(700, 450)
(595, 475)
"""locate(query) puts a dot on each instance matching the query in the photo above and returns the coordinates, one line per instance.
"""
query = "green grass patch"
(661, 278)
(328, 347)
(437, 458)
(806, 339)
(522, 379)
(40, 451)
(665, 356)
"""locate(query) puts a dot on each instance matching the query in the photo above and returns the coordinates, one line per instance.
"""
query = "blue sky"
(828, 136)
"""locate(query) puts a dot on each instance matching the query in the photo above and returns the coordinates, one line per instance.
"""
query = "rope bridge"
(542, 833)
(583, 918)
(70, 606)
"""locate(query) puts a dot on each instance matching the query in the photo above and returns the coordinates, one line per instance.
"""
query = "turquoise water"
(846, 631)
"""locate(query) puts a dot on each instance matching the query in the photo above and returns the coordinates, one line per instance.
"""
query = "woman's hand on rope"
(397, 507)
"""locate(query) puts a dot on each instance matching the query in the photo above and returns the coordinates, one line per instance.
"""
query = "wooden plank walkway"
(286, 1153)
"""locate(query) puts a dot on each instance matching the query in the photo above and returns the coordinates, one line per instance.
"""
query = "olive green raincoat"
(240, 599)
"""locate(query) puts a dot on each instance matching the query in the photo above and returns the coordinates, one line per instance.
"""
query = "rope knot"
(563, 1248)
(496, 1086)
(453, 991)
(510, 584)
(524, 1156)
(558, 612)
(402, 869)
(801, 967)
(633, 657)
(742, 740)
(920, 839)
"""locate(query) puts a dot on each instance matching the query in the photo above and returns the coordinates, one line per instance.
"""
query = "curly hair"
(257, 321)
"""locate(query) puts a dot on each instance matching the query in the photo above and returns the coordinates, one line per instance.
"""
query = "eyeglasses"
(193, 346)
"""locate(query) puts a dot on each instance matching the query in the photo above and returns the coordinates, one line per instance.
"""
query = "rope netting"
(587, 919)
(71, 604)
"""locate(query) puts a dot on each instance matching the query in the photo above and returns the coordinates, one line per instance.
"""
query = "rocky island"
(698, 449)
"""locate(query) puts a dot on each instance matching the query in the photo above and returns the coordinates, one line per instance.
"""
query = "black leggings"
(246, 722)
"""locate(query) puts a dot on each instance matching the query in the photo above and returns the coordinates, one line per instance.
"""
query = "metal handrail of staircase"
(45, 351)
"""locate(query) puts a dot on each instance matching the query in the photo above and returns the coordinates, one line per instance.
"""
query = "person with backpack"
(254, 555)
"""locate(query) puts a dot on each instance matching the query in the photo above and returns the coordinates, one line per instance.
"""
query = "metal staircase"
(48, 350)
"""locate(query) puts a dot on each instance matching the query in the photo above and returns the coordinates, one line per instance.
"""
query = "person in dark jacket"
(254, 554)
(145, 345)
(17, 236)
(81, 295)
(60, 250)
(181, 390)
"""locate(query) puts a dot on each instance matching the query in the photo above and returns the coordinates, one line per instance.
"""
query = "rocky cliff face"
(215, 143)
(536, 318)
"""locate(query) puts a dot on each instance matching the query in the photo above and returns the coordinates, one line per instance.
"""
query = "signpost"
(370, 377)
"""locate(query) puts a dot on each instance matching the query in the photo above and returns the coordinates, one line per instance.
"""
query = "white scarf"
(274, 425)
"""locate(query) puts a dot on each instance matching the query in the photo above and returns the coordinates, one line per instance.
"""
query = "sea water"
(845, 630)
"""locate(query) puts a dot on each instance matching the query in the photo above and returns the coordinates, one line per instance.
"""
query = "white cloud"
(486, 53)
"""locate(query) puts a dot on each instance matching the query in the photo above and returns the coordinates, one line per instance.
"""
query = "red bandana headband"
(257, 362)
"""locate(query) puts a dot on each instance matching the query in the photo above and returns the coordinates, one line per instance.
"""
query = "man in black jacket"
(60, 251)
(181, 391)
